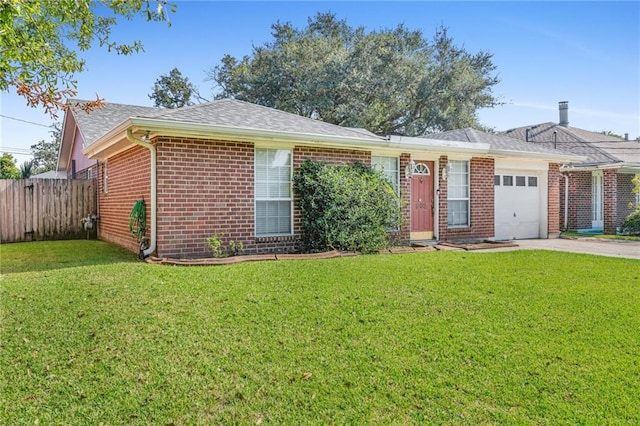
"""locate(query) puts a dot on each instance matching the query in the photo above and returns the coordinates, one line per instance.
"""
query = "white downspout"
(566, 200)
(152, 149)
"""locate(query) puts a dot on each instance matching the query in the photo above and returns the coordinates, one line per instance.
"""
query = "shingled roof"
(99, 121)
(240, 114)
(497, 142)
(598, 148)
(226, 112)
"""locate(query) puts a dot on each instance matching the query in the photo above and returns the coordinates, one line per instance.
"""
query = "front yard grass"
(88, 335)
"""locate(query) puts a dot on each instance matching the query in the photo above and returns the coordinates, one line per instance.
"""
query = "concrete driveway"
(597, 246)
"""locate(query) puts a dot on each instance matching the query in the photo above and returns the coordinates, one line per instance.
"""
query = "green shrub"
(218, 248)
(349, 207)
(631, 224)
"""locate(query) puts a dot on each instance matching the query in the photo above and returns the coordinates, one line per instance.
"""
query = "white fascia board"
(553, 158)
(622, 167)
(437, 145)
(514, 163)
(630, 168)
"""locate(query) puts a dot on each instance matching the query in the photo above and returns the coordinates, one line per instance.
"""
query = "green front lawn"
(88, 335)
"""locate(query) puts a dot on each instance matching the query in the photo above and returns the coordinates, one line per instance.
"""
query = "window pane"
(533, 181)
(520, 180)
(496, 180)
(273, 217)
(389, 168)
(273, 191)
(458, 213)
(507, 180)
(458, 193)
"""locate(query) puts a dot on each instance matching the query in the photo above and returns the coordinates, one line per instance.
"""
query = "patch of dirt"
(480, 246)
(258, 257)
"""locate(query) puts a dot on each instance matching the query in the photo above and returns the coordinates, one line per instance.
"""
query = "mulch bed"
(266, 257)
(325, 255)
(480, 246)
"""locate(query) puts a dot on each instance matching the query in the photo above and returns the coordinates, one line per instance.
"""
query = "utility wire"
(24, 121)
(12, 150)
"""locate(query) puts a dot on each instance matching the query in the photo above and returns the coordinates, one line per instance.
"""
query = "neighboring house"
(51, 174)
(227, 167)
(595, 193)
(80, 129)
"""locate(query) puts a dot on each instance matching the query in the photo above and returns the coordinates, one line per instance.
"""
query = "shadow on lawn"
(40, 256)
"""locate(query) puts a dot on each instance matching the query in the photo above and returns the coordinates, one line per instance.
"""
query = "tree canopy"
(173, 90)
(45, 153)
(8, 168)
(41, 41)
(390, 81)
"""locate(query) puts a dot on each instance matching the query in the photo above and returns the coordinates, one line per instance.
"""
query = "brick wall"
(554, 181)
(482, 197)
(128, 180)
(610, 195)
(561, 210)
(405, 198)
(580, 210)
(204, 187)
(625, 196)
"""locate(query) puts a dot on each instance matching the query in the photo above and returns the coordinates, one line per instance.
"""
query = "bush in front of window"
(348, 208)
(631, 224)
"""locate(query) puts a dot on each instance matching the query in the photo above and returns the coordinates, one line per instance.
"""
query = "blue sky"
(587, 53)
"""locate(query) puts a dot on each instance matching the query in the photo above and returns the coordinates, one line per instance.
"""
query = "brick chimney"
(563, 107)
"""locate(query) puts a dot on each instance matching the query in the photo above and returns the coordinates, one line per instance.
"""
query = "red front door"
(422, 200)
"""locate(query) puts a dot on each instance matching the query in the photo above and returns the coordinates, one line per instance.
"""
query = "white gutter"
(426, 144)
(608, 166)
(152, 149)
(553, 157)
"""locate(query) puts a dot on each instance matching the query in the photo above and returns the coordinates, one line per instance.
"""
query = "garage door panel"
(517, 205)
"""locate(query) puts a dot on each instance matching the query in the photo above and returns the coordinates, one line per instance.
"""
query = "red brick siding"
(610, 194)
(562, 195)
(482, 197)
(625, 196)
(129, 179)
(405, 198)
(580, 210)
(554, 181)
(204, 187)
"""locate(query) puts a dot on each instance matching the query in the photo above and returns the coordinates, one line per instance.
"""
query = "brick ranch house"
(595, 194)
(227, 166)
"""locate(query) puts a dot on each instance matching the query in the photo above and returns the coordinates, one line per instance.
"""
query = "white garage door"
(518, 207)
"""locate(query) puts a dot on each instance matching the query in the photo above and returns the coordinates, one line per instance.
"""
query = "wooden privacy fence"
(45, 209)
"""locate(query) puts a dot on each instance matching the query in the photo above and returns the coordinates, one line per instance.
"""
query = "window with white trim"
(273, 198)
(389, 166)
(458, 194)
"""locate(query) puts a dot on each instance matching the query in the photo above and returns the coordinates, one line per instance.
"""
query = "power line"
(24, 121)
(12, 150)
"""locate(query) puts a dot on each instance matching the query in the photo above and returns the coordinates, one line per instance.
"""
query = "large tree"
(45, 153)
(173, 90)
(390, 81)
(8, 168)
(40, 43)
